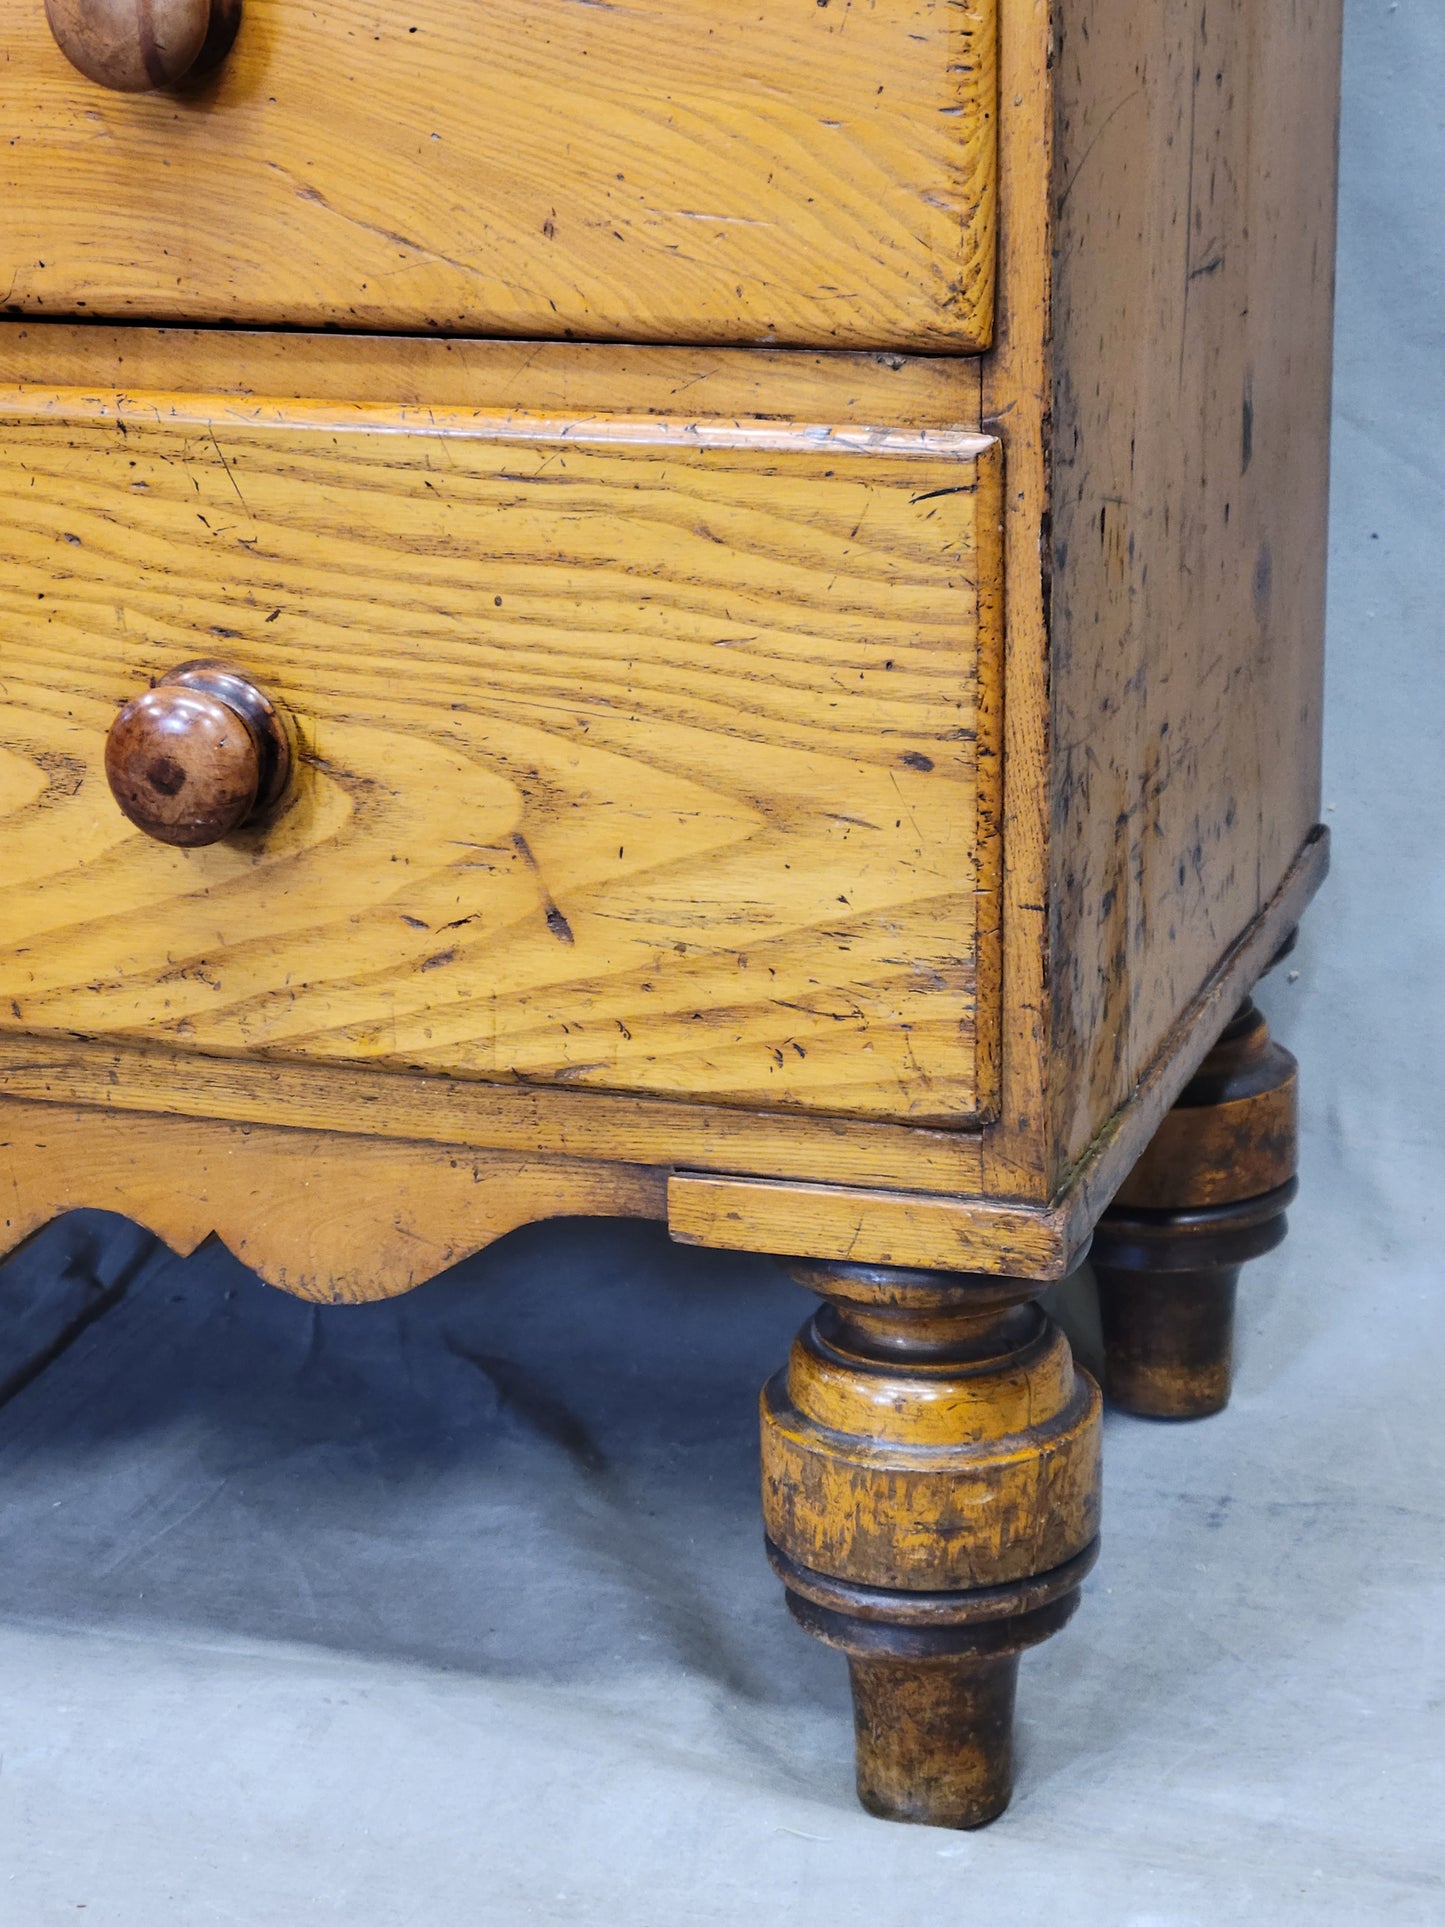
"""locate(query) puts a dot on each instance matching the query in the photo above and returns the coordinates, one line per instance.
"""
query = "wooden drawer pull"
(198, 756)
(137, 46)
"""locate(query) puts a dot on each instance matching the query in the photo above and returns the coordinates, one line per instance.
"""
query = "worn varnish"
(907, 1189)
(200, 755)
(571, 379)
(1209, 1193)
(1195, 194)
(931, 1498)
(1077, 1098)
(131, 46)
(830, 802)
(1015, 1157)
(791, 173)
(641, 757)
(338, 1219)
(873, 1225)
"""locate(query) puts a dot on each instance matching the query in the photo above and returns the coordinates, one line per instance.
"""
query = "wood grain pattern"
(931, 1478)
(863, 1226)
(519, 1117)
(996, 1235)
(341, 1220)
(1117, 1146)
(570, 379)
(1014, 1156)
(1078, 1102)
(633, 755)
(676, 837)
(991, 1234)
(121, 1160)
(1209, 1194)
(1194, 199)
(799, 173)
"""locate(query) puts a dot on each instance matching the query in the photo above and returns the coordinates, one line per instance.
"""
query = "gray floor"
(288, 1634)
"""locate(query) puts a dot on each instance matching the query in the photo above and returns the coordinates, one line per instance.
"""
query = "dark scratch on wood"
(556, 922)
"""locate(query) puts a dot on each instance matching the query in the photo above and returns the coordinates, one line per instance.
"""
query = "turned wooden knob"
(197, 756)
(135, 46)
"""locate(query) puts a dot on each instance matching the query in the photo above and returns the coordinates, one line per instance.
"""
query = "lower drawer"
(647, 755)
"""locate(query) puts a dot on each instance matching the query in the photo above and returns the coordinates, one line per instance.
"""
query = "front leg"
(931, 1497)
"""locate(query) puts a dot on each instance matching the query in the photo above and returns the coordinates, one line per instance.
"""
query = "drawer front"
(637, 755)
(793, 173)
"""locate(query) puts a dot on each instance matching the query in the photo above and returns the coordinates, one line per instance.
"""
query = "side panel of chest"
(1192, 303)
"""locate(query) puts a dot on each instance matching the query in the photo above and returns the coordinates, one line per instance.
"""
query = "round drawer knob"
(136, 46)
(197, 756)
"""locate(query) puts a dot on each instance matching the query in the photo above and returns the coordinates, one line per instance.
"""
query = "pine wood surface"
(1096, 1177)
(893, 1193)
(338, 1219)
(830, 803)
(626, 759)
(514, 1117)
(1209, 1194)
(1192, 298)
(870, 1226)
(1015, 1156)
(1051, 1141)
(1233, 1133)
(798, 174)
(931, 1484)
(570, 379)
(989, 1233)
(332, 1212)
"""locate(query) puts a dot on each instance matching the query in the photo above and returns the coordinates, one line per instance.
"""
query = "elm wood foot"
(1209, 1194)
(931, 1498)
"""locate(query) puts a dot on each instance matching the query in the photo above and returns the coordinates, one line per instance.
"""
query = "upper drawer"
(783, 171)
(640, 755)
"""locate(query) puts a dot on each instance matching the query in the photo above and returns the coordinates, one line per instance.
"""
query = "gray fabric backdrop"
(454, 1611)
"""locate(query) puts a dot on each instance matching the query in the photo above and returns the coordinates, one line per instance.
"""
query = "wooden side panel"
(792, 172)
(1194, 208)
(636, 756)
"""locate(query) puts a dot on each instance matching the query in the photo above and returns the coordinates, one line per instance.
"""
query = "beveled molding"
(571, 379)
(353, 1198)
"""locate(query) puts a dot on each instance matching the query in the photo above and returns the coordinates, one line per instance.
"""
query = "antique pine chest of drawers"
(705, 613)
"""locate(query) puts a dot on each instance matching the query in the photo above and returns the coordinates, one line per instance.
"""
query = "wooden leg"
(1209, 1194)
(931, 1496)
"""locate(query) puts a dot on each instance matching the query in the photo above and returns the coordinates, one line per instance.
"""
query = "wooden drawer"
(638, 754)
(794, 173)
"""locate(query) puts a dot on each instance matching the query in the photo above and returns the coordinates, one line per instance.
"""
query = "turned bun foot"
(1209, 1194)
(935, 1737)
(1167, 1287)
(934, 1678)
(931, 1495)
